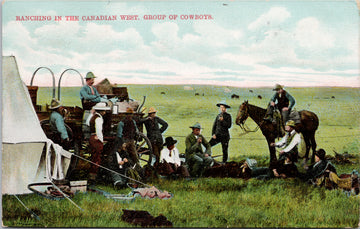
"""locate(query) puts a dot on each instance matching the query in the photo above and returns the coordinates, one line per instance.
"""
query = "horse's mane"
(259, 110)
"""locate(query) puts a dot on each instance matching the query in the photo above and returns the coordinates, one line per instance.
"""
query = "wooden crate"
(78, 186)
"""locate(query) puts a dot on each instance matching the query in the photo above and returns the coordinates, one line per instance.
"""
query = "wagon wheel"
(143, 149)
(45, 125)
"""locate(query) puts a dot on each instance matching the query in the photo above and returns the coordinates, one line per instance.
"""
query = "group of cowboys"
(124, 159)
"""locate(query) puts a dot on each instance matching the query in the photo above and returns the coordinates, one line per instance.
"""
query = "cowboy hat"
(196, 126)
(101, 106)
(54, 104)
(151, 110)
(129, 110)
(252, 163)
(290, 123)
(90, 75)
(224, 104)
(169, 141)
(278, 87)
(321, 154)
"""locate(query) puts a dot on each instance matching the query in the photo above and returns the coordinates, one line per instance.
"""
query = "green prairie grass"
(205, 202)
(216, 202)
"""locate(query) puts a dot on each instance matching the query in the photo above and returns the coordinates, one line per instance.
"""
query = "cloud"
(214, 35)
(13, 31)
(58, 34)
(310, 34)
(274, 17)
(197, 52)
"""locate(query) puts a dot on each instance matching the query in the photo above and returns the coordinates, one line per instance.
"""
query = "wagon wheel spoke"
(143, 149)
(145, 152)
(141, 145)
(143, 160)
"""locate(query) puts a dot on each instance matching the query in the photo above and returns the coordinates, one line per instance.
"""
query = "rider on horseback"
(285, 102)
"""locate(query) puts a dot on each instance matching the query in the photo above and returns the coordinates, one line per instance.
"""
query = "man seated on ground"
(120, 162)
(320, 170)
(279, 169)
(289, 143)
(126, 133)
(59, 134)
(170, 163)
(197, 160)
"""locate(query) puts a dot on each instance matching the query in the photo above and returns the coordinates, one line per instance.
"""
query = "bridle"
(243, 126)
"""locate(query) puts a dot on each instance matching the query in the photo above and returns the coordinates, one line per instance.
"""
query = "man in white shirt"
(96, 141)
(289, 143)
(170, 159)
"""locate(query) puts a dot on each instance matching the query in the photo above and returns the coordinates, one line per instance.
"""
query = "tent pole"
(28, 209)
(65, 195)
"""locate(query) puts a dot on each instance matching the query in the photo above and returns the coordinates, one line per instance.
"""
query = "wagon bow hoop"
(52, 74)
(69, 69)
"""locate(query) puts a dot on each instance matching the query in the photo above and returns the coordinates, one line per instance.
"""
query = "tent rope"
(112, 171)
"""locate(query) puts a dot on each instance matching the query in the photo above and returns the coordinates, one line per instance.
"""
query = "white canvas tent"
(26, 151)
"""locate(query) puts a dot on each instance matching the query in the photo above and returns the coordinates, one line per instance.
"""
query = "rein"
(247, 130)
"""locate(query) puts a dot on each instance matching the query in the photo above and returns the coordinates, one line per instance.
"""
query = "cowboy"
(279, 169)
(320, 168)
(220, 130)
(154, 131)
(289, 143)
(197, 159)
(88, 94)
(120, 162)
(284, 102)
(170, 159)
(59, 133)
(127, 131)
(96, 141)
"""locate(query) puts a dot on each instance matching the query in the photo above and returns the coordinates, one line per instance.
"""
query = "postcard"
(216, 113)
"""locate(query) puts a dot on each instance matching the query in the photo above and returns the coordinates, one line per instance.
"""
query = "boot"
(269, 114)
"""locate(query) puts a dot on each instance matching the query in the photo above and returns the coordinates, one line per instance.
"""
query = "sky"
(240, 43)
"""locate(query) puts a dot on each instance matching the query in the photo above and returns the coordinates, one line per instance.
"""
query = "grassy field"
(215, 202)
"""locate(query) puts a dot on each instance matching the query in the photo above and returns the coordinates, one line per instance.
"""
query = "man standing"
(220, 130)
(285, 102)
(96, 141)
(197, 160)
(289, 143)
(59, 134)
(154, 131)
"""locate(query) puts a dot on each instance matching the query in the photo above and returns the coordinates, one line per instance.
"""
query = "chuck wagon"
(75, 117)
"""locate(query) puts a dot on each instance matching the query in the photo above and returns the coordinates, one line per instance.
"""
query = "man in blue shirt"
(59, 134)
(88, 94)
(284, 102)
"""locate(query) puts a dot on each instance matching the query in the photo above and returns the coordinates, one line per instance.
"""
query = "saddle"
(278, 121)
(295, 116)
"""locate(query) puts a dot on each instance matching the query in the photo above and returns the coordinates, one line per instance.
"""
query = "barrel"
(33, 94)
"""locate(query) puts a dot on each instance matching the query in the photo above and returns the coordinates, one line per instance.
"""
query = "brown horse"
(309, 123)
